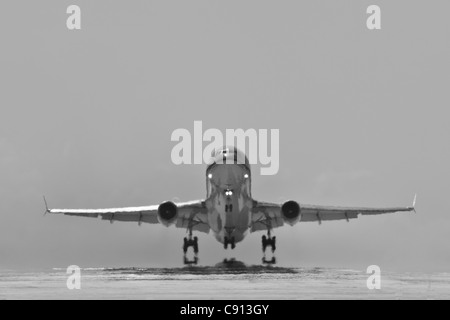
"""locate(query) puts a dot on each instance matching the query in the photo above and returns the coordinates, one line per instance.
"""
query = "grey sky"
(86, 118)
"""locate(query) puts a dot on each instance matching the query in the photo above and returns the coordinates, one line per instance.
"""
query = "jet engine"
(291, 212)
(167, 213)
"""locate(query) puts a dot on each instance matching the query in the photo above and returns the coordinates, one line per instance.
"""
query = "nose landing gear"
(187, 243)
(268, 242)
(229, 241)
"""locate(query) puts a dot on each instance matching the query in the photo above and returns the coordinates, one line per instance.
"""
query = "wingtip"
(47, 210)
(414, 203)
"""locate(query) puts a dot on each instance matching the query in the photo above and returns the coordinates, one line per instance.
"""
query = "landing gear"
(190, 242)
(187, 243)
(268, 241)
(228, 241)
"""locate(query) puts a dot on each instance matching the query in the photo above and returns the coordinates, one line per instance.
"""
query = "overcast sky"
(86, 119)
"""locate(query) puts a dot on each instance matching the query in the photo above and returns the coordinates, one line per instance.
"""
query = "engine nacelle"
(167, 213)
(291, 212)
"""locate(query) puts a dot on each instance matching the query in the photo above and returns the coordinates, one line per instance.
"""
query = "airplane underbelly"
(230, 224)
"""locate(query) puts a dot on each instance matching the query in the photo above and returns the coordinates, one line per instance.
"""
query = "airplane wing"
(192, 213)
(267, 215)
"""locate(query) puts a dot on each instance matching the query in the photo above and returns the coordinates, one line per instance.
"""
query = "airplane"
(228, 210)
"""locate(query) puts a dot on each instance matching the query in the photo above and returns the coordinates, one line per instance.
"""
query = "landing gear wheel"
(187, 243)
(266, 242)
(195, 245)
(230, 242)
(233, 245)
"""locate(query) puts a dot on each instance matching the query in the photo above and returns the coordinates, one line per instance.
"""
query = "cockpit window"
(226, 151)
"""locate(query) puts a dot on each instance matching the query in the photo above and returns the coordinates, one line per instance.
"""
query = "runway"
(229, 280)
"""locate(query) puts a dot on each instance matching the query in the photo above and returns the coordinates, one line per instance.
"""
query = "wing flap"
(79, 214)
(144, 216)
(266, 217)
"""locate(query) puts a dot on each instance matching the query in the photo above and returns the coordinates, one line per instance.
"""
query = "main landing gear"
(268, 241)
(190, 242)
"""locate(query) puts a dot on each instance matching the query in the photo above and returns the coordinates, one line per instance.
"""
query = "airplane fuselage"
(229, 201)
